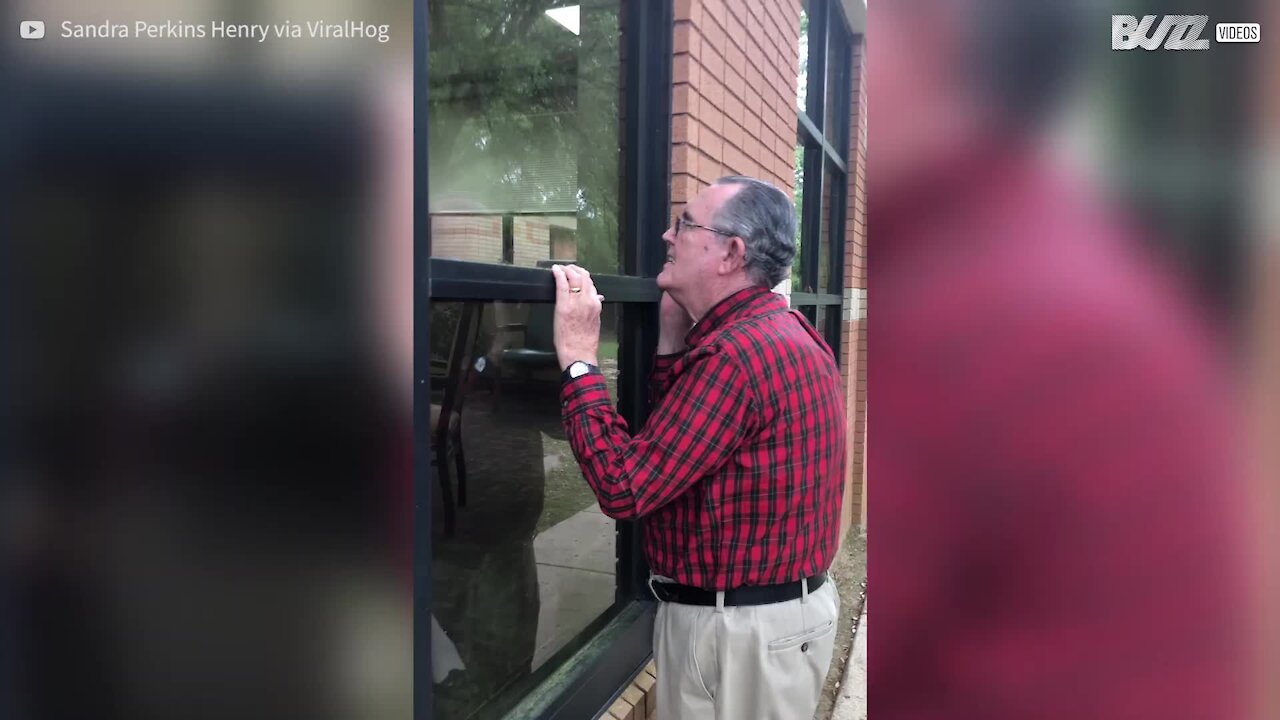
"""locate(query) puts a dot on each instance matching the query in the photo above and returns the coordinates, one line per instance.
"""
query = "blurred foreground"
(205, 496)
(1072, 275)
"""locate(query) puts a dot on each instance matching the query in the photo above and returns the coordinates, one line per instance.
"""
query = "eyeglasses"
(680, 223)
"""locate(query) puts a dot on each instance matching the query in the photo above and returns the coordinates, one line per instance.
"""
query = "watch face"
(578, 369)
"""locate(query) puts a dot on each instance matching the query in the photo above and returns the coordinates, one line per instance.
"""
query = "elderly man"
(737, 475)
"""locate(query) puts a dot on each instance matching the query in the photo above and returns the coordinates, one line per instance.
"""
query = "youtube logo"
(31, 29)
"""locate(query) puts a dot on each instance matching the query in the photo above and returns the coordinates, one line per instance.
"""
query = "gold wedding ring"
(575, 289)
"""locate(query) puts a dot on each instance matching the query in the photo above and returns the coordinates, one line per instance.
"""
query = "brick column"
(853, 339)
(735, 70)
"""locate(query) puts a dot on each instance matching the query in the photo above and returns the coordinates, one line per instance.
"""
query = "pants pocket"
(800, 638)
(702, 654)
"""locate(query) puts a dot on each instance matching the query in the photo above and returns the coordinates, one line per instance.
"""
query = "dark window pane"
(797, 276)
(824, 245)
(820, 321)
(828, 324)
(531, 561)
(810, 313)
(824, 266)
(525, 132)
(836, 78)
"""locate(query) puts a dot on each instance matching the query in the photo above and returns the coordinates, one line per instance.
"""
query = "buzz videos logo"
(1176, 32)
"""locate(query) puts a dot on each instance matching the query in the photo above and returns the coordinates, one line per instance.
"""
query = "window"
(822, 151)
(525, 132)
(525, 561)
(543, 146)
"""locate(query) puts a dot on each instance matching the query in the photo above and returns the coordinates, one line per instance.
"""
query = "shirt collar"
(747, 302)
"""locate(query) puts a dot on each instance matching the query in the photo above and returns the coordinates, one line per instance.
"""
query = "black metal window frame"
(622, 644)
(830, 65)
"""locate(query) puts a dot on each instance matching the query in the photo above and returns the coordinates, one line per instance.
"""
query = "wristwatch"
(577, 369)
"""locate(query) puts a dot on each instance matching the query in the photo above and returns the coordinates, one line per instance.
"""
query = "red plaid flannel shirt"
(1059, 533)
(738, 473)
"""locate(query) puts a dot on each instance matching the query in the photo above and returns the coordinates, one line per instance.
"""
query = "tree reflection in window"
(525, 122)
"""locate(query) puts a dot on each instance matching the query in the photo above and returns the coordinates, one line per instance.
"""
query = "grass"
(608, 349)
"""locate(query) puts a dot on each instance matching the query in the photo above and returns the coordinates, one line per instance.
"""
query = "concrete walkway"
(852, 701)
(576, 560)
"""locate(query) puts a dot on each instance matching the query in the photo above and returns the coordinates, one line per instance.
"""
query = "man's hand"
(674, 324)
(577, 324)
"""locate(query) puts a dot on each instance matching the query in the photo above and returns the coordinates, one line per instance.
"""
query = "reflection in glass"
(802, 87)
(529, 563)
(824, 243)
(820, 320)
(797, 282)
(836, 50)
(524, 131)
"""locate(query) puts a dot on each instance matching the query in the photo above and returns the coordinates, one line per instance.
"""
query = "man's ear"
(735, 253)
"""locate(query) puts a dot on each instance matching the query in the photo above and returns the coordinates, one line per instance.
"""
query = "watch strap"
(567, 377)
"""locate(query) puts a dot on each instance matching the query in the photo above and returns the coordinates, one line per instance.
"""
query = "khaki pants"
(761, 662)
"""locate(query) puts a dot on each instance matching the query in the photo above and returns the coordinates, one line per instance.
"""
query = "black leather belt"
(749, 595)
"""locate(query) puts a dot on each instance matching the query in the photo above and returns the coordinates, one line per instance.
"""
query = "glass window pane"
(797, 276)
(525, 132)
(824, 244)
(531, 560)
(803, 86)
(820, 320)
(836, 75)
(828, 325)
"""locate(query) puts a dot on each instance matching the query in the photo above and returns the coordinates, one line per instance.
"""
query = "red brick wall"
(478, 238)
(734, 97)
(853, 340)
(638, 701)
(532, 241)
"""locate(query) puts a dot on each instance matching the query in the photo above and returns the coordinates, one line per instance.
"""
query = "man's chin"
(663, 280)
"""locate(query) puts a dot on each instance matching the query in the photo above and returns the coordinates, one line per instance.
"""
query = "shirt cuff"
(583, 393)
(664, 363)
(662, 366)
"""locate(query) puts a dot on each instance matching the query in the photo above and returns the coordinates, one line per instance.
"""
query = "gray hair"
(765, 218)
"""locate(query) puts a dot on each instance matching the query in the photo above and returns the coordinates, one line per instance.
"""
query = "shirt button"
(804, 647)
